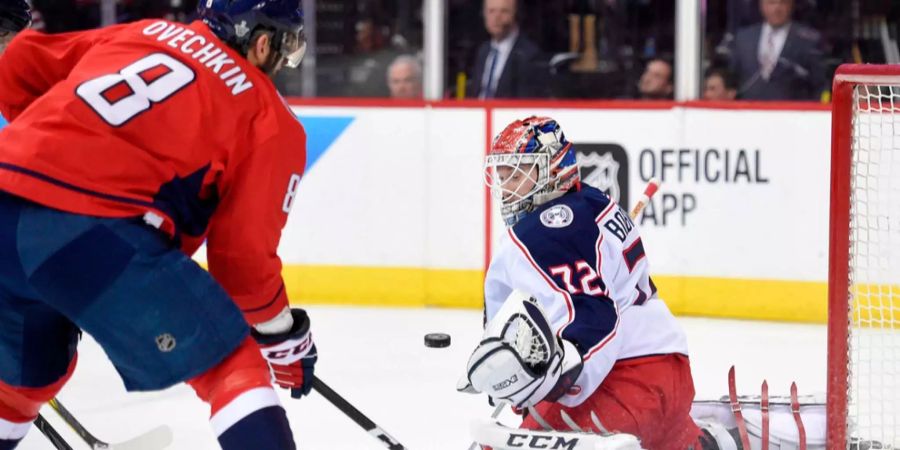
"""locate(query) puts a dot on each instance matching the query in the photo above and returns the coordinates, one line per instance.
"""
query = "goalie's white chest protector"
(582, 258)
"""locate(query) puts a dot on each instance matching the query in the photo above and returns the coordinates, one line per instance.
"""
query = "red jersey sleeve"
(34, 62)
(245, 231)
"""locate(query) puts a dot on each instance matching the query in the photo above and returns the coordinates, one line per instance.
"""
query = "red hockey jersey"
(162, 121)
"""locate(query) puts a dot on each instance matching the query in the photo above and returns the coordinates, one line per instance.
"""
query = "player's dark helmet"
(14, 15)
(236, 21)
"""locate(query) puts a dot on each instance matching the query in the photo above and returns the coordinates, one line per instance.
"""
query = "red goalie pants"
(649, 397)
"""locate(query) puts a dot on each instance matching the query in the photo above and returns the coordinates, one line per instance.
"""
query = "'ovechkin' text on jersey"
(582, 257)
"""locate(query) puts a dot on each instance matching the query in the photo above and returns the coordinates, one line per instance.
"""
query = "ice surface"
(376, 359)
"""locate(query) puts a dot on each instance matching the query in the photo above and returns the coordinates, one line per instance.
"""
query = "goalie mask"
(530, 163)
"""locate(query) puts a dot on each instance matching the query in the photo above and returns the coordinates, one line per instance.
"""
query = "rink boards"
(392, 209)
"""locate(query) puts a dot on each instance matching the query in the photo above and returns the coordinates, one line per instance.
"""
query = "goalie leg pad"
(647, 397)
(783, 431)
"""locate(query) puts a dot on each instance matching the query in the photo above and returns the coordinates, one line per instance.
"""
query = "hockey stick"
(494, 415)
(58, 442)
(357, 416)
(495, 435)
(652, 187)
(155, 439)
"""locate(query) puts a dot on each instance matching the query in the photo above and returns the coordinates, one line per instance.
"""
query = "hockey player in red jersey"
(575, 334)
(127, 147)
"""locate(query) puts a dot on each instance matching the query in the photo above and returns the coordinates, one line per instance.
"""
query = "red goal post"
(864, 257)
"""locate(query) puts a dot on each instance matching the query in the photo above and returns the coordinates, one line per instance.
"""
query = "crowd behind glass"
(570, 49)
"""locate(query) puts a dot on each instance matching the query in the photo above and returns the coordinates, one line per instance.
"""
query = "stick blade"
(496, 435)
(155, 439)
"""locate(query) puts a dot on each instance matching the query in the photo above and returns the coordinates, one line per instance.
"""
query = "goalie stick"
(495, 435)
(354, 414)
(649, 190)
(155, 439)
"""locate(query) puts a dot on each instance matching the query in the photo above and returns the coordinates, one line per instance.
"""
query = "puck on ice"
(437, 340)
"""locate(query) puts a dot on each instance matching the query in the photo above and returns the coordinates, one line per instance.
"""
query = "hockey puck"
(437, 340)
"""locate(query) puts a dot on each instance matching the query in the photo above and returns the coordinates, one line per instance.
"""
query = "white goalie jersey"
(582, 258)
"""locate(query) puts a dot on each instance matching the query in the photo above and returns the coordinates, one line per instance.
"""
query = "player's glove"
(520, 361)
(291, 354)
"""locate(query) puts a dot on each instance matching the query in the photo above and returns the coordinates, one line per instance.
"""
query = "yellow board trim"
(794, 301)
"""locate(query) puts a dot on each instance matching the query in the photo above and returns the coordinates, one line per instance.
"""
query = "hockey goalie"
(576, 338)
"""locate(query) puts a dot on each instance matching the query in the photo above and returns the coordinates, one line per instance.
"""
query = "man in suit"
(509, 65)
(777, 59)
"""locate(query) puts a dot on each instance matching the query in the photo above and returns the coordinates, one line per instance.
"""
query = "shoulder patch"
(558, 216)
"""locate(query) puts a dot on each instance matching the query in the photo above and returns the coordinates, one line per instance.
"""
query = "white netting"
(874, 388)
(527, 340)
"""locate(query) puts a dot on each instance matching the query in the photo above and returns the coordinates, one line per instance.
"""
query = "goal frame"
(846, 77)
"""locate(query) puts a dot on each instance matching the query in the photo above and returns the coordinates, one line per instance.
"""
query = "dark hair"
(517, 4)
(727, 76)
(14, 15)
(668, 61)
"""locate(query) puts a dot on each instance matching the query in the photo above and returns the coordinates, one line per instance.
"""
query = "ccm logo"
(526, 441)
(505, 383)
(279, 354)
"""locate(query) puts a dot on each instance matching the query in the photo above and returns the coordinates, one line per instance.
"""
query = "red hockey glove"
(291, 355)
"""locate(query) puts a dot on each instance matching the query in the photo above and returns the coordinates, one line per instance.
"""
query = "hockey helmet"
(530, 163)
(15, 16)
(235, 22)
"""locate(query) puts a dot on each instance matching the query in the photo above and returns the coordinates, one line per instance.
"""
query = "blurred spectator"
(656, 82)
(720, 85)
(777, 59)
(404, 77)
(368, 65)
(509, 65)
(68, 15)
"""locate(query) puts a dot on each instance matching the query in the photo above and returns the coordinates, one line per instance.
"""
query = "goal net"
(864, 258)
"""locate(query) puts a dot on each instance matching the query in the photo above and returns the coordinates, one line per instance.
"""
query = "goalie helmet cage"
(864, 258)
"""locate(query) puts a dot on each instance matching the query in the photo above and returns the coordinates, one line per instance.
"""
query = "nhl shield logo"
(165, 342)
(605, 167)
(558, 216)
(604, 175)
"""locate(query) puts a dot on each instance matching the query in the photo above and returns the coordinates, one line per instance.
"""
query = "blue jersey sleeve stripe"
(609, 208)
(603, 335)
(633, 254)
(598, 266)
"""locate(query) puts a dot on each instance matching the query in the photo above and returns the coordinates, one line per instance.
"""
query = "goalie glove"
(520, 360)
(287, 345)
